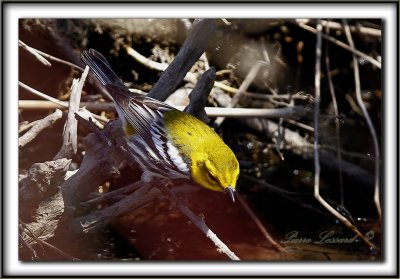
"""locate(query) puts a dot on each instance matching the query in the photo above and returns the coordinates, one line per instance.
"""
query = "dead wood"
(194, 46)
(38, 127)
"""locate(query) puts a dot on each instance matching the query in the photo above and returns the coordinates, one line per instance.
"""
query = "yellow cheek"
(201, 178)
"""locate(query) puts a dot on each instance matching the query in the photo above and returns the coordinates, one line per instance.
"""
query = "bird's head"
(217, 170)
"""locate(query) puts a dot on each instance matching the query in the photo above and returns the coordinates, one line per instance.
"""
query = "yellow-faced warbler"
(165, 141)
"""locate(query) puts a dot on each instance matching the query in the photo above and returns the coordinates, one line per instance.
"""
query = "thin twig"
(59, 60)
(42, 95)
(53, 103)
(338, 26)
(279, 139)
(211, 111)
(243, 87)
(301, 125)
(99, 121)
(276, 97)
(199, 223)
(38, 127)
(34, 52)
(317, 170)
(337, 121)
(259, 225)
(146, 61)
(88, 123)
(45, 105)
(190, 77)
(343, 45)
(367, 119)
(353, 105)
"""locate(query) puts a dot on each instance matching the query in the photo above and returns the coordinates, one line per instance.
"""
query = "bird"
(167, 142)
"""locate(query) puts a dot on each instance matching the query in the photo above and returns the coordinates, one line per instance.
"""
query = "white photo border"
(13, 11)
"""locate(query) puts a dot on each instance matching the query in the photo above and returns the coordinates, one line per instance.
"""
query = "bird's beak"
(231, 192)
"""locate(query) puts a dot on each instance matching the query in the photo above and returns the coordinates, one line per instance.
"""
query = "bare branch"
(344, 220)
(289, 112)
(193, 47)
(337, 121)
(190, 77)
(51, 57)
(337, 26)
(343, 45)
(38, 127)
(43, 95)
(259, 225)
(367, 119)
(34, 53)
(243, 87)
(200, 224)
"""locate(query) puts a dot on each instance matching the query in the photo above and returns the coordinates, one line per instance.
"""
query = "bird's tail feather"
(99, 65)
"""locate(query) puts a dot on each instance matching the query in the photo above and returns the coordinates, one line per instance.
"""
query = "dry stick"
(34, 53)
(57, 59)
(61, 61)
(263, 96)
(190, 77)
(70, 141)
(193, 47)
(205, 60)
(200, 224)
(279, 139)
(301, 125)
(145, 61)
(25, 126)
(353, 105)
(255, 113)
(343, 45)
(337, 122)
(336, 25)
(243, 87)
(211, 111)
(367, 119)
(317, 101)
(99, 121)
(45, 105)
(54, 103)
(267, 60)
(38, 127)
(42, 95)
(259, 225)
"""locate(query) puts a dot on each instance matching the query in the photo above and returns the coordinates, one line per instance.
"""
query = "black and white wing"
(144, 114)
